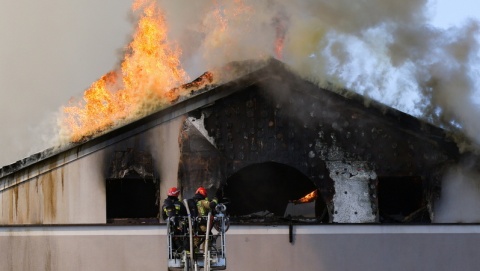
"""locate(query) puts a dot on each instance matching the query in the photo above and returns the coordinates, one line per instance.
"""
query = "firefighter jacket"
(173, 207)
(204, 205)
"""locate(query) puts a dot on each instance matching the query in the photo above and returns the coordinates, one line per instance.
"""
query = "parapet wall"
(319, 247)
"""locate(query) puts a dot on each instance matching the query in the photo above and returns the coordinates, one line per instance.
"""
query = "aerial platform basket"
(204, 235)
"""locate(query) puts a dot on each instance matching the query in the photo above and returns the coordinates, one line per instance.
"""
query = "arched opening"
(263, 187)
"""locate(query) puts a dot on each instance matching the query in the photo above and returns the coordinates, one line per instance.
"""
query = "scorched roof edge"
(195, 100)
(198, 99)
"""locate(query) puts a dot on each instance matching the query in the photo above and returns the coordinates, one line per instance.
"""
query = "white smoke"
(387, 50)
(460, 197)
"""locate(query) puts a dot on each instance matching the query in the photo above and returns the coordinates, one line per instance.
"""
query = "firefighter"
(199, 206)
(172, 206)
(202, 203)
(173, 209)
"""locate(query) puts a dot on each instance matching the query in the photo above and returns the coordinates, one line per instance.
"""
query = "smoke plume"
(386, 50)
(460, 198)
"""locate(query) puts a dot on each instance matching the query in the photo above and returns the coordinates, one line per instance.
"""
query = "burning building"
(310, 174)
(262, 141)
(268, 141)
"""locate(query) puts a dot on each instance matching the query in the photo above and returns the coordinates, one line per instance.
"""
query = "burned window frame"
(402, 199)
(132, 189)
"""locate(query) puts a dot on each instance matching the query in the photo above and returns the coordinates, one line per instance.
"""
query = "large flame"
(150, 73)
(150, 69)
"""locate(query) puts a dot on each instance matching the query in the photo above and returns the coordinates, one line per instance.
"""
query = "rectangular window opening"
(402, 200)
(132, 191)
(132, 200)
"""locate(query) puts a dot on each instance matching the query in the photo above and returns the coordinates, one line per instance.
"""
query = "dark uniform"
(173, 207)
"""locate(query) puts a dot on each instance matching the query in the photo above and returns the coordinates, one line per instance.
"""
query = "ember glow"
(150, 70)
(310, 197)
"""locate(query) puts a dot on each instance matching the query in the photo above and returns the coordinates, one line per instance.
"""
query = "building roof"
(236, 76)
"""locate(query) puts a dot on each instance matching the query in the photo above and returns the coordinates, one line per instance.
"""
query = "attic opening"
(265, 190)
(401, 200)
(131, 189)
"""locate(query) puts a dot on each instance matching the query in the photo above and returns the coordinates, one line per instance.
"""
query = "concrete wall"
(324, 247)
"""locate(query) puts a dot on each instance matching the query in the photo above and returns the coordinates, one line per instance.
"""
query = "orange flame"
(307, 198)
(150, 69)
(280, 23)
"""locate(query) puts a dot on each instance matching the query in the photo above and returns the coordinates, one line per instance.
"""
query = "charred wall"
(247, 130)
(335, 141)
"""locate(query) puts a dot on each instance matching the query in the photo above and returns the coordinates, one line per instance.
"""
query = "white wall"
(70, 188)
(323, 247)
(71, 193)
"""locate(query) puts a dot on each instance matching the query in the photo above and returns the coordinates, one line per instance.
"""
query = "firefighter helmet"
(202, 191)
(174, 192)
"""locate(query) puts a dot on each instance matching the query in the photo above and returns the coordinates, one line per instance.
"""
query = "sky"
(51, 51)
(452, 13)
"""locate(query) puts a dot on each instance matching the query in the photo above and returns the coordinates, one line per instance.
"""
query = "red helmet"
(202, 191)
(174, 192)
